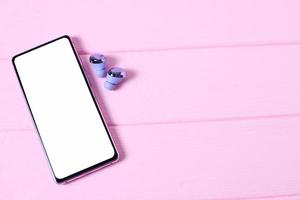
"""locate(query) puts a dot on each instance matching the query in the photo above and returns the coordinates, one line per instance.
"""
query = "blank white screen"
(66, 116)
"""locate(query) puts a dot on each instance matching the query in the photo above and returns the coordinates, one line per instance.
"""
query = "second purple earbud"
(114, 77)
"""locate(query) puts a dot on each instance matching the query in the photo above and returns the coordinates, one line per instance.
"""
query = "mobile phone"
(67, 118)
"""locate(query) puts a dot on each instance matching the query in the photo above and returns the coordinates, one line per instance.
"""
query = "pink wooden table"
(224, 123)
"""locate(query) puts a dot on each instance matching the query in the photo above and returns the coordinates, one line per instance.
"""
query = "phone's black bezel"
(91, 168)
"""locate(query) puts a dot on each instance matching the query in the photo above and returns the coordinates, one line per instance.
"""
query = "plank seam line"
(212, 46)
(215, 120)
(208, 120)
(259, 197)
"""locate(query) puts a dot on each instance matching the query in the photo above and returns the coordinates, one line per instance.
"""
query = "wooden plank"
(219, 160)
(214, 84)
(139, 25)
(13, 110)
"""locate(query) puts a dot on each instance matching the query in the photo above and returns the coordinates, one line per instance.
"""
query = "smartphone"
(67, 118)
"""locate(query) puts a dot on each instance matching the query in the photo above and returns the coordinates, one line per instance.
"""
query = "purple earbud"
(99, 63)
(114, 77)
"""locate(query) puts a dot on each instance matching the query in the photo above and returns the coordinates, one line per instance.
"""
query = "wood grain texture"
(225, 160)
(210, 109)
(106, 25)
(213, 84)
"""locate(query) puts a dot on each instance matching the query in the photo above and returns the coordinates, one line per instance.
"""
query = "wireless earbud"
(99, 63)
(114, 77)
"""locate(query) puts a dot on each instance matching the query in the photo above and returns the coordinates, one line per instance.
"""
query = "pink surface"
(140, 25)
(224, 123)
(202, 85)
(187, 161)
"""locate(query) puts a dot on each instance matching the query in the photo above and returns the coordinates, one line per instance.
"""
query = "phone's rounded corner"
(59, 180)
(14, 64)
(66, 36)
(115, 157)
(13, 60)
